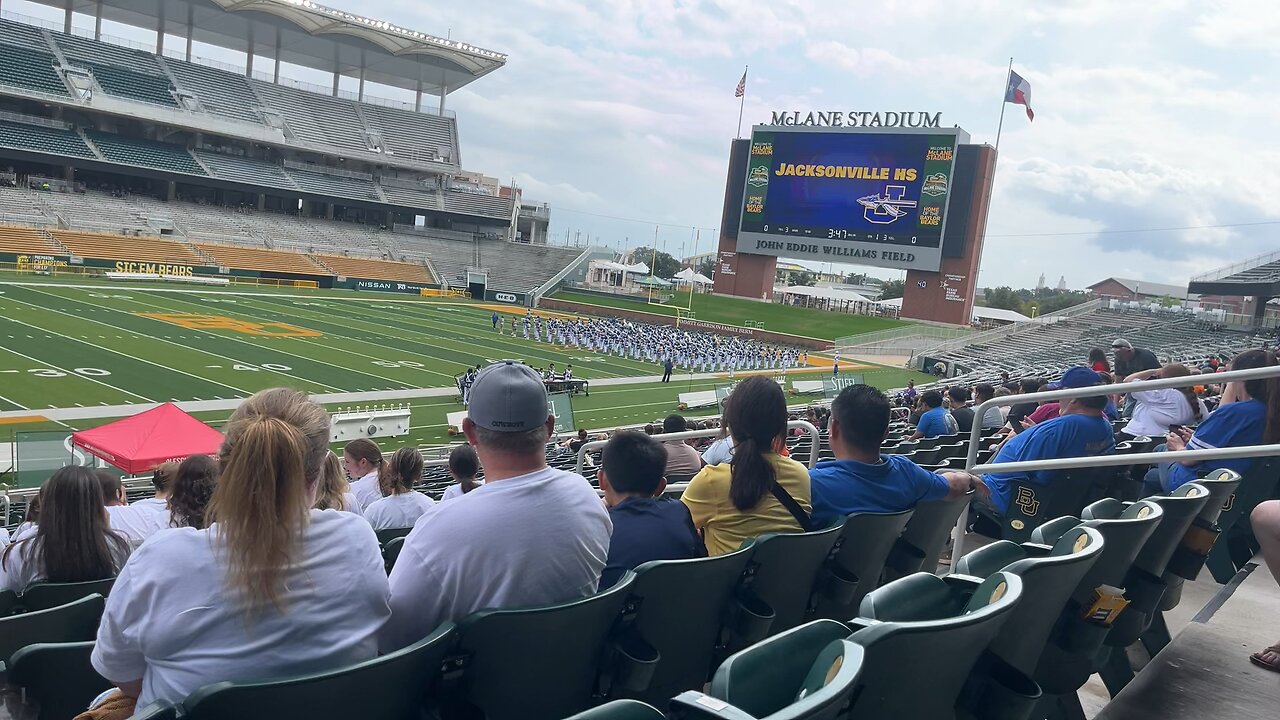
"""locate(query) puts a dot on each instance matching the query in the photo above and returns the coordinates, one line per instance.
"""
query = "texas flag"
(1018, 92)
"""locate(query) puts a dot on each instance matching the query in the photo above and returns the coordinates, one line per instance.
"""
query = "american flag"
(742, 86)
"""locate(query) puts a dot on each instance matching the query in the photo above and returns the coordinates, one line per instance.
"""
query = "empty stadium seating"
(76, 48)
(247, 258)
(147, 153)
(219, 92)
(249, 171)
(42, 139)
(335, 185)
(138, 248)
(30, 69)
(315, 118)
(18, 239)
(126, 83)
(413, 135)
(26, 61)
(477, 204)
(376, 269)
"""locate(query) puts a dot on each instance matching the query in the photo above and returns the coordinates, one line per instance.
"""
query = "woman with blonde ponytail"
(271, 588)
(400, 506)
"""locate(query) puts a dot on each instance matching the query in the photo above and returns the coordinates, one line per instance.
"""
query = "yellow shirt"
(724, 526)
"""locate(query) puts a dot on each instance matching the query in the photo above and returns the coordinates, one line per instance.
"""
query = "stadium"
(680, 497)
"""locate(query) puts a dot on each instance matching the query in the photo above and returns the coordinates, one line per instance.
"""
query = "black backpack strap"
(792, 506)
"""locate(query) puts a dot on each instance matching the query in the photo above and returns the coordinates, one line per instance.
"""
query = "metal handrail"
(971, 462)
(807, 426)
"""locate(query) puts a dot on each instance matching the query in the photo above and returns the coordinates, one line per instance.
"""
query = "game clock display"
(862, 197)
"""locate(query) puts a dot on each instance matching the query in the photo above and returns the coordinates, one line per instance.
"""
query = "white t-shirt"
(1156, 410)
(398, 511)
(351, 504)
(366, 490)
(23, 567)
(455, 491)
(721, 451)
(23, 531)
(535, 539)
(4, 536)
(153, 503)
(138, 522)
(169, 621)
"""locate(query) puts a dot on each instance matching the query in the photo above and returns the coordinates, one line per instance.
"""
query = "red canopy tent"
(139, 443)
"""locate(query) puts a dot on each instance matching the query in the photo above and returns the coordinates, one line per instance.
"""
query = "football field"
(85, 345)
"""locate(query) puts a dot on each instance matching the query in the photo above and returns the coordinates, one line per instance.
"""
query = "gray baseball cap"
(508, 396)
(1121, 344)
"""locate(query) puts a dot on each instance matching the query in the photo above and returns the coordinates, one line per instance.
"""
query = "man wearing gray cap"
(530, 535)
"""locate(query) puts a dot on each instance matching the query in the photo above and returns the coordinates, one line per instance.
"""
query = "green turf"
(737, 311)
(64, 346)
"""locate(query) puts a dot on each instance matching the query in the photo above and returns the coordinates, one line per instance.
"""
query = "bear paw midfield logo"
(935, 185)
(758, 177)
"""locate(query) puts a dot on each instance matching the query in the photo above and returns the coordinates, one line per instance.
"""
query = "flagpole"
(1003, 103)
(742, 101)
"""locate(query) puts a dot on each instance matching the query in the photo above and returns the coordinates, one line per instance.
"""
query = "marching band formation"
(688, 350)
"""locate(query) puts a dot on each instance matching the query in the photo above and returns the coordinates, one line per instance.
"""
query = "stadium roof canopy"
(1258, 277)
(310, 35)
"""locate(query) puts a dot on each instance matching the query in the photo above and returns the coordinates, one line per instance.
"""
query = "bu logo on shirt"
(1026, 501)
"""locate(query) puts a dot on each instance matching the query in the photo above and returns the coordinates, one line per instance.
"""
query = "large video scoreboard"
(863, 197)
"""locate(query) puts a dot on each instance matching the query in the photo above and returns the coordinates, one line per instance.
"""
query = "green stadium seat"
(145, 153)
(677, 610)
(533, 663)
(391, 687)
(864, 545)
(621, 710)
(391, 551)
(115, 80)
(805, 673)
(73, 622)
(1236, 545)
(1067, 660)
(43, 596)
(42, 139)
(1189, 557)
(924, 537)
(786, 573)
(1031, 504)
(386, 536)
(999, 684)
(30, 69)
(1145, 585)
(926, 619)
(58, 676)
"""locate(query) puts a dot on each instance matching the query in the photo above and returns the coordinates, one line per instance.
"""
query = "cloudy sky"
(1151, 155)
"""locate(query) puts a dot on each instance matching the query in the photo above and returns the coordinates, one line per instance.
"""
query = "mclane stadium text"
(858, 118)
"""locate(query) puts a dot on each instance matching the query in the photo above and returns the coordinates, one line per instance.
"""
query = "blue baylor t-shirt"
(1233, 425)
(937, 421)
(841, 487)
(1061, 437)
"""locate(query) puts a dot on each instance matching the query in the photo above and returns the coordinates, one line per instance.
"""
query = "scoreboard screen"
(861, 196)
